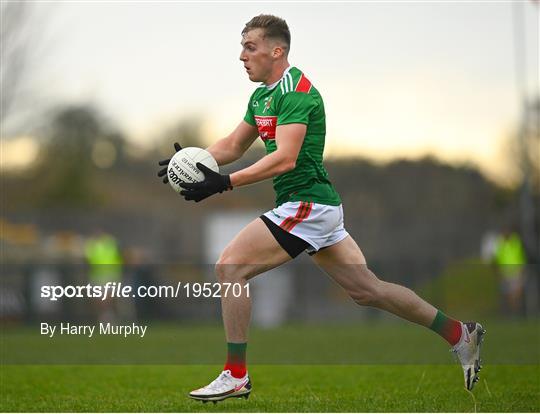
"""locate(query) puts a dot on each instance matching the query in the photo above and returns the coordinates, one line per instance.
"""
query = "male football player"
(287, 112)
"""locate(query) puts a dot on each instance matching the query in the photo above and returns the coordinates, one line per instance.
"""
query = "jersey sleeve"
(295, 108)
(249, 117)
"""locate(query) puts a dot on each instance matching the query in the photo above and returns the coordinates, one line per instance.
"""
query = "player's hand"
(163, 171)
(213, 183)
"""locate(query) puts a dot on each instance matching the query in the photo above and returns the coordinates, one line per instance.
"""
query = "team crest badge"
(267, 103)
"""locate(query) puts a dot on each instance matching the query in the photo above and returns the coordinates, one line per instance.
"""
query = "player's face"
(257, 55)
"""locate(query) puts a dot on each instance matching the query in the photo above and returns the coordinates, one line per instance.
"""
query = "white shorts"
(317, 224)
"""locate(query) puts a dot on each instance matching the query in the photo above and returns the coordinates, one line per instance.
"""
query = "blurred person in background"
(509, 258)
(287, 112)
(104, 265)
(138, 271)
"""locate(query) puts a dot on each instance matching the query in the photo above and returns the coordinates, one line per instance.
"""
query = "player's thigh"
(343, 252)
(254, 250)
(345, 263)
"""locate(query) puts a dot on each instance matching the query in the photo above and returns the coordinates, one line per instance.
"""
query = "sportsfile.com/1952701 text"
(120, 290)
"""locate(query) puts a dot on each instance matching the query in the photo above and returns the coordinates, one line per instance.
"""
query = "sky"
(399, 79)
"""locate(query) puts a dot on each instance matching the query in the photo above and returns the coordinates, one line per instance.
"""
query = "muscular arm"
(289, 139)
(233, 146)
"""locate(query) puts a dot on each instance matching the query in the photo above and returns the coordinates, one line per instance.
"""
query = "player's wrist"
(227, 181)
(233, 180)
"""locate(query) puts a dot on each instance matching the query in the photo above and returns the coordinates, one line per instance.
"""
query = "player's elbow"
(290, 164)
(236, 153)
(286, 165)
(286, 162)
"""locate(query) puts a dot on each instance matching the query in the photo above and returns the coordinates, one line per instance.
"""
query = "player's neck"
(277, 73)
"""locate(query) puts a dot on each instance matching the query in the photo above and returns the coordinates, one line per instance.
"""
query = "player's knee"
(223, 272)
(227, 270)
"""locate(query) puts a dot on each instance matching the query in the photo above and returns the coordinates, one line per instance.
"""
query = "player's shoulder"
(295, 80)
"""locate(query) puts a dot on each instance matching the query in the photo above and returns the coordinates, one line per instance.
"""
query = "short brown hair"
(274, 27)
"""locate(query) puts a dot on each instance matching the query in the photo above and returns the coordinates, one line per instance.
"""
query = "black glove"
(213, 183)
(163, 172)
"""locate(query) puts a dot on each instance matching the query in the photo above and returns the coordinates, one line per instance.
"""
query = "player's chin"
(253, 78)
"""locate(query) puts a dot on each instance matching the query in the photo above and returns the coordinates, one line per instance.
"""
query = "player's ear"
(277, 52)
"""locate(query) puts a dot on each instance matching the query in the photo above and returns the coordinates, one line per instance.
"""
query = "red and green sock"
(448, 328)
(236, 359)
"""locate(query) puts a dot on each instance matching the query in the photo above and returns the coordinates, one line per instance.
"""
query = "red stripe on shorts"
(302, 213)
(286, 223)
(307, 211)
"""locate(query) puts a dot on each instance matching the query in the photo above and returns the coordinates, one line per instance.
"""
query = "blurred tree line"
(88, 174)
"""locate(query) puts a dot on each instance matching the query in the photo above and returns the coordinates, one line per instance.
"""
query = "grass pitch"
(282, 388)
(294, 369)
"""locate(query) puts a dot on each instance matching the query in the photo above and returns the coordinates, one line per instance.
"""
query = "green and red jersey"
(294, 100)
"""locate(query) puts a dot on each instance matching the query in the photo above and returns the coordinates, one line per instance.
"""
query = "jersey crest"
(267, 103)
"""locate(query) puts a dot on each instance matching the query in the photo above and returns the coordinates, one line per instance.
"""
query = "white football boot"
(468, 352)
(224, 386)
